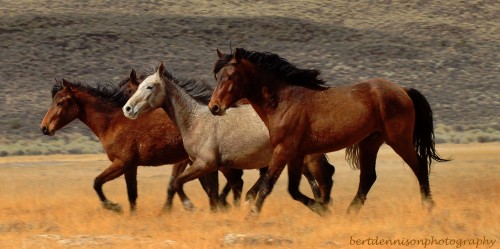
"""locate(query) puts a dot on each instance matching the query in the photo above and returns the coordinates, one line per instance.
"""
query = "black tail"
(423, 133)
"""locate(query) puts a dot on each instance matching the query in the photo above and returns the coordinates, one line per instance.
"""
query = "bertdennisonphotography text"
(425, 242)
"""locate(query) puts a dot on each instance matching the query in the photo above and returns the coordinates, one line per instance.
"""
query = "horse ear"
(219, 54)
(133, 77)
(161, 68)
(237, 55)
(65, 84)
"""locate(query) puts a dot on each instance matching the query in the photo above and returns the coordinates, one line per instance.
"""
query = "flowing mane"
(103, 90)
(278, 65)
(198, 89)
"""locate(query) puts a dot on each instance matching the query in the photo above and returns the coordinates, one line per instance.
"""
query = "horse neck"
(180, 107)
(96, 113)
(264, 95)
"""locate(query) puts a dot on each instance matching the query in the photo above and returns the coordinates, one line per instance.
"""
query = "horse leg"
(234, 182)
(322, 171)
(213, 189)
(115, 170)
(131, 180)
(252, 193)
(368, 149)
(312, 182)
(295, 167)
(223, 195)
(177, 169)
(419, 167)
(198, 169)
(278, 161)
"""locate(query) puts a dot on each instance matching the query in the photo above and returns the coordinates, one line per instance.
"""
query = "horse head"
(150, 95)
(63, 109)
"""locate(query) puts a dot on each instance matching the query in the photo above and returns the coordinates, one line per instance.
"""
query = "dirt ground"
(48, 202)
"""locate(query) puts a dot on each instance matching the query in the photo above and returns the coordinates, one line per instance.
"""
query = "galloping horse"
(304, 116)
(239, 140)
(127, 143)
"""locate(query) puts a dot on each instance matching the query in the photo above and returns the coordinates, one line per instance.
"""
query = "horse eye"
(149, 87)
(60, 103)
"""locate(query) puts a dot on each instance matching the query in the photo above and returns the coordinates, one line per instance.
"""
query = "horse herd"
(263, 114)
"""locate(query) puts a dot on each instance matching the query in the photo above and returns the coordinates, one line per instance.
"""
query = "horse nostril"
(128, 108)
(215, 109)
(44, 129)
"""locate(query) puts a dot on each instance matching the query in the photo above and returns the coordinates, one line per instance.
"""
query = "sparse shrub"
(33, 152)
(52, 151)
(440, 140)
(15, 124)
(75, 151)
(458, 128)
(483, 139)
(19, 153)
(3, 153)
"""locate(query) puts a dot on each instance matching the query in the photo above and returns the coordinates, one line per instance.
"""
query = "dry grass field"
(48, 202)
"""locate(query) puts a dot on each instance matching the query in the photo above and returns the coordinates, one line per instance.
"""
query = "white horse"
(238, 139)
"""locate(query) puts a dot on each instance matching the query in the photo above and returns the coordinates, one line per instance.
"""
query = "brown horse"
(126, 142)
(304, 116)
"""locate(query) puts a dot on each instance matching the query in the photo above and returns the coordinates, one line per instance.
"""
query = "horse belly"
(337, 136)
(247, 157)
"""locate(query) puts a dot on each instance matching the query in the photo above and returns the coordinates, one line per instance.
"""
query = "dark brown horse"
(304, 116)
(127, 143)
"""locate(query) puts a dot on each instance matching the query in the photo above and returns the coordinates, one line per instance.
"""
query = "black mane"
(278, 65)
(198, 89)
(103, 90)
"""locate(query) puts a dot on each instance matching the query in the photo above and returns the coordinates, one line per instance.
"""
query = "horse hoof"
(319, 208)
(428, 205)
(112, 206)
(167, 208)
(249, 199)
(188, 206)
(224, 206)
(254, 214)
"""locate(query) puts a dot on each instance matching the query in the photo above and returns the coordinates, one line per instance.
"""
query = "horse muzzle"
(46, 131)
(217, 110)
(129, 112)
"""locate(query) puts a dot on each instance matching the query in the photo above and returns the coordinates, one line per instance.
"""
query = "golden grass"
(48, 202)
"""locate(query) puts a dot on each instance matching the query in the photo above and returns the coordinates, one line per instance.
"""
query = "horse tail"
(423, 133)
(352, 156)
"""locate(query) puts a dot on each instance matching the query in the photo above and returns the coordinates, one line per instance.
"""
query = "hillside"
(446, 49)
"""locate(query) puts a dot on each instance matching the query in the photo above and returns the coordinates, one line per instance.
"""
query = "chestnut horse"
(304, 116)
(238, 141)
(127, 143)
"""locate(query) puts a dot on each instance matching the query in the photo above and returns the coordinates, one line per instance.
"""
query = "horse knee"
(97, 184)
(330, 169)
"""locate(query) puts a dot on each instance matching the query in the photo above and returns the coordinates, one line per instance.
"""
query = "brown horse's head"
(129, 85)
(231, 81)
(63, 109)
